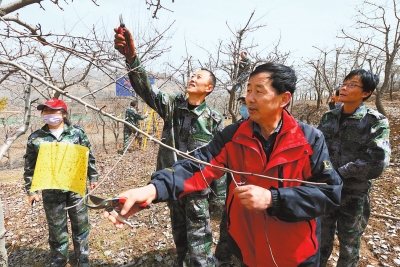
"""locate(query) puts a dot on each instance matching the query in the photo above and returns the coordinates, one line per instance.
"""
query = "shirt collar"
(257, 128)
(198, 110)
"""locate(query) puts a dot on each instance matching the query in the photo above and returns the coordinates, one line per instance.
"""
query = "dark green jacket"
(184, 129)
(359, 148)
(244, 66)
(133, 117)
(71, 134)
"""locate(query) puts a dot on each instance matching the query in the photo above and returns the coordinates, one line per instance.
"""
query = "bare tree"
(156, 5)
(221, 59)
(60, 64)
(324, 74)
(384, 21)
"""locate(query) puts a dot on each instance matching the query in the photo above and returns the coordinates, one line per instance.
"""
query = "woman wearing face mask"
(243, 108)
(58, 129)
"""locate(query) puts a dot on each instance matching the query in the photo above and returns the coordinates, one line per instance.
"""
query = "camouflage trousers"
(54, 202)
(190, 219)
(128, 132)
(350, 220)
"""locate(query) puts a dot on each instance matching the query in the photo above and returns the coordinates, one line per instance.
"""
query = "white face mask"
(52, 119)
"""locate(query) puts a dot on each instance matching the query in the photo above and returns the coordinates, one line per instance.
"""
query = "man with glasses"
(357, 137)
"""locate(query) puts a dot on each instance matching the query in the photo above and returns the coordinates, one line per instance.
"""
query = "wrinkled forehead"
(203, 73)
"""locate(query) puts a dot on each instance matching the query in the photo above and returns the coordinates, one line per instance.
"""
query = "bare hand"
(254, 197)
(31, 198)
(136, 196)
(93, 185)
(120, 42)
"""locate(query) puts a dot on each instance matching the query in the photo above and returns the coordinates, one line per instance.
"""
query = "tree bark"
(3, 250)
(15, 5)
(27, 116)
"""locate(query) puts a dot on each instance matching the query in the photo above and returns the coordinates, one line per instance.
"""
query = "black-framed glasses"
(349, 85)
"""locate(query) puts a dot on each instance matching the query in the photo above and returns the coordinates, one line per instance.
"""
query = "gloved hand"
(120, 41)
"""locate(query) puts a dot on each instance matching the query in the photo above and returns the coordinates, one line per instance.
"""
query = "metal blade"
(121, 21)
(97, 202)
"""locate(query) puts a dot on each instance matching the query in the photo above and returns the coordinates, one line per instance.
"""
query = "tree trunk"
(3, 250)
(391, 86)
(378, 103)
(231, 105)
(104, 136)
(27, 116)
(318, 101)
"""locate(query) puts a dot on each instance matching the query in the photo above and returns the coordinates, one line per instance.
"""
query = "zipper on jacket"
(311, 234)
(228, 182)
(280, 175)
(228, 223)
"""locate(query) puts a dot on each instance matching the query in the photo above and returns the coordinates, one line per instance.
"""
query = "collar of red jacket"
(288, 123)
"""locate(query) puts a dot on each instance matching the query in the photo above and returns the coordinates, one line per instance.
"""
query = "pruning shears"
(113, 206)
(121, 30)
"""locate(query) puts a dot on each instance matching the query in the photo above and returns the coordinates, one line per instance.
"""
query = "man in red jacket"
(271, 222)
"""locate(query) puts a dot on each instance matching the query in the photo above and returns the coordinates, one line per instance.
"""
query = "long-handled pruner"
(113, 206)
(121, 30)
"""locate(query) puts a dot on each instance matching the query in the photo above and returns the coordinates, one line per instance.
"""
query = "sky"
(300, 24)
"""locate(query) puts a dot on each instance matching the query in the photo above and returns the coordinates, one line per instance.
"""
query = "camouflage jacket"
(359, 148)
(71, 134)
(133, 117)
(244, 65)
(184, 129)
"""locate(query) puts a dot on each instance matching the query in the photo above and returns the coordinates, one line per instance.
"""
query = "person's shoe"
(83, 264)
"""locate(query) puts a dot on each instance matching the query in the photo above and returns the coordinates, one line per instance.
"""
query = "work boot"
(58, 262)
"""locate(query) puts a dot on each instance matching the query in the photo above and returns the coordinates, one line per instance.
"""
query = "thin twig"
(105, 177)
(178, 152)
(385, 216)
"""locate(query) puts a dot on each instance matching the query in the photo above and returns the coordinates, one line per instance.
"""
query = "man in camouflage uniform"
(188, 125)
(58, 129)
(133, 117)
(358, 141)
(244, 69)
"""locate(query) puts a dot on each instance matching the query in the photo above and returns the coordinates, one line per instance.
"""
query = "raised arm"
(158, 100)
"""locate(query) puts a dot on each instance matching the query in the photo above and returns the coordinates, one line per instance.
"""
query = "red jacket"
(287, 232)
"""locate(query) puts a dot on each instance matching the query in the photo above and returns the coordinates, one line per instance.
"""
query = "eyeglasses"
(349, 85)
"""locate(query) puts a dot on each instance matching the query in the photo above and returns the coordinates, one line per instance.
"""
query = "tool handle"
(120, 218)
(143, 205)
(121, 30)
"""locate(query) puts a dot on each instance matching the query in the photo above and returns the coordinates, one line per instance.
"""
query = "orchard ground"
(150, 242)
